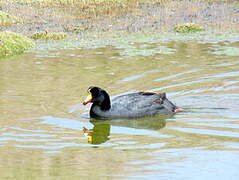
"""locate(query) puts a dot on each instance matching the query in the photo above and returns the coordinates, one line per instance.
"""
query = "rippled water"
(45, 132)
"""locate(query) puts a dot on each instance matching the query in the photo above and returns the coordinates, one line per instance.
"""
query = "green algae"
(130, 44)
(12, 43)
(48, 36)
(146, 51)
(188, 28)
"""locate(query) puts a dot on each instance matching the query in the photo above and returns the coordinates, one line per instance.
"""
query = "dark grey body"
(135, 105)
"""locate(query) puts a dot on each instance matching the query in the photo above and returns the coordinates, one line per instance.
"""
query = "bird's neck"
(105, 105)
(96, 108)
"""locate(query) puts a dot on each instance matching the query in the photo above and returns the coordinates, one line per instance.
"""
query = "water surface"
(42, 119)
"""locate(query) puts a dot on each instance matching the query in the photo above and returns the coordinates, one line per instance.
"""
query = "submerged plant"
(6, 19)
(48, 36)
(188, 28)
(12, 43)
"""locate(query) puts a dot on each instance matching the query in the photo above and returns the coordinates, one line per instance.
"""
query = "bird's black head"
(98, 97)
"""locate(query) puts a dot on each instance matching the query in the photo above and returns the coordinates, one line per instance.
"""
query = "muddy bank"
(142, 17)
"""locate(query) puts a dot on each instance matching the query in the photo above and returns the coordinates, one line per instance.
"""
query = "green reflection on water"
(101, 131)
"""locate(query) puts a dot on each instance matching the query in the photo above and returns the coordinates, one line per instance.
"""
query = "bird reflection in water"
(101, 131)
(98, 135)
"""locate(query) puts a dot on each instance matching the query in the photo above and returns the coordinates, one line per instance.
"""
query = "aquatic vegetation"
(134, 44)
(6, 19)
(188, 28)
(12, 43)
(140, 51)
(48, 36)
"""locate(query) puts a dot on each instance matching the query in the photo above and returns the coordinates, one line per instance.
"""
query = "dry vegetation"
(55, 19)
(115, 15)
(6, 19)
(89, 8)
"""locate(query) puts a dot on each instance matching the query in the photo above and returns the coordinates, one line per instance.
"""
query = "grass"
(48, 36)
(6, 19)
(12, 43)
(90, 8)
(188, 28)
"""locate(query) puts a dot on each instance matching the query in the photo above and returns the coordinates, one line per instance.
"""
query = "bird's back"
(141, 104)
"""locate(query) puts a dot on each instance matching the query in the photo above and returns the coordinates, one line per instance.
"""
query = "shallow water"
(42, 119)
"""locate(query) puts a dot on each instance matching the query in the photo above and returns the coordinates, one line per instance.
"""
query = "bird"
(132, 105)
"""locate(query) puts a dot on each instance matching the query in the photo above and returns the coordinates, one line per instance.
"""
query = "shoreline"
(149, 17)
(59, 27)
